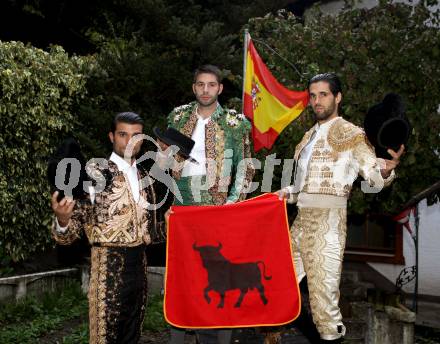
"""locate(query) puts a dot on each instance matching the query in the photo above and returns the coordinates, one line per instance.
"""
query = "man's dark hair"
(209, 69)
(126, 117)
(331, 78)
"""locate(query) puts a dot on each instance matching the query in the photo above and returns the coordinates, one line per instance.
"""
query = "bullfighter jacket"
(114, 218)
(341, 152)
(229, 169)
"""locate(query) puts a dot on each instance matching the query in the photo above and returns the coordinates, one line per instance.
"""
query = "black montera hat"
(386, 125)
(174, 137)
(69, 148)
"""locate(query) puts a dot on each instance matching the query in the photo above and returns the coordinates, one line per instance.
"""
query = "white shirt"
(130, 171)
(198, 151)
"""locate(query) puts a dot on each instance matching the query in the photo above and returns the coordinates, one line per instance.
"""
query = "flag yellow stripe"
(288, 117)
(270, 112)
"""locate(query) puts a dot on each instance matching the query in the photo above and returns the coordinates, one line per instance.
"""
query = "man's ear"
(220, 90)
(338, 98)
(194, 88)
(111, 137)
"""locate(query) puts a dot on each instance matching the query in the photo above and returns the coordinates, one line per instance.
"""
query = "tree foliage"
(39, 91)
(148, 50)
(389, 48)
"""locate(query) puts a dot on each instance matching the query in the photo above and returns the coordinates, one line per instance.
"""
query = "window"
(375, 238)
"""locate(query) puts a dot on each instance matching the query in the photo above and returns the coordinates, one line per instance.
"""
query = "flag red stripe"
(248, 110)
(263, 140)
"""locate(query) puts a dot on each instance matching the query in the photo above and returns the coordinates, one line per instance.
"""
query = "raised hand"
(392, 164)
(63, 209)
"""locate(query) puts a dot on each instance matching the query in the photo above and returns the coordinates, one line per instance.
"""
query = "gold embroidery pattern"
(322, 156)
(210, 151)
(97, 296)
(326, 172)
(342, 233)
(189, 126)
(343, 135)
(219, 149)
(187, 130)
(115, 219)
(313, 223)
(303, 143)
(250, 170)
(319, 144)
(214, 146)
(146, 220)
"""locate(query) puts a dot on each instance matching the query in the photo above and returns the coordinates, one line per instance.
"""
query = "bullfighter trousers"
(318, 239)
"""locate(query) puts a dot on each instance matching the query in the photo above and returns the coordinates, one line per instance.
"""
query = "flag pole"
(245, 48)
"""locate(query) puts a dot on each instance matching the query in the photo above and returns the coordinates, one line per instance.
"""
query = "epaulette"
(343, 135)
(179, 111)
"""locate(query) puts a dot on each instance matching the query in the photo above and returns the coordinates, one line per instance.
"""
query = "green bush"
(39, 91)
(389, 48)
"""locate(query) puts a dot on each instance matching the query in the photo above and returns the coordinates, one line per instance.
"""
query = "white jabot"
(198, 151)
(130, 171)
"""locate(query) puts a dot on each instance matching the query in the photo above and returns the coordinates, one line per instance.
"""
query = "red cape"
(242, 251)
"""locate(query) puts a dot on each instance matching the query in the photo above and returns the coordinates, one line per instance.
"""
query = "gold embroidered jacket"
(340, 153)
(114, 219)
(229, 167)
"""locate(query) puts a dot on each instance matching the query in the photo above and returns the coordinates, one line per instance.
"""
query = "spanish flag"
(268, 104)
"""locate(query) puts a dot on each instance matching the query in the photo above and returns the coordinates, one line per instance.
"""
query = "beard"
(130, 155)
(326, 113)
(208, 102)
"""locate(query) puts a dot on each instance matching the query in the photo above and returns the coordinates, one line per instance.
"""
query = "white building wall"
(429, 253)
(334, 7)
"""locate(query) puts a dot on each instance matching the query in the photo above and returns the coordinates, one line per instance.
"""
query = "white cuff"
(293, 197)
(390, 178)
(59, 229)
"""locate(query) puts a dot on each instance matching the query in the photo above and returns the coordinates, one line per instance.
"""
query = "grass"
(154, 318)
(79, 336)
(28, 320)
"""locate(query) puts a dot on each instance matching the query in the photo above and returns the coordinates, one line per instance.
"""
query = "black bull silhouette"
(224, 275)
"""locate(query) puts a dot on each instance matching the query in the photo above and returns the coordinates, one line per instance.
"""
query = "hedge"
(39, 91)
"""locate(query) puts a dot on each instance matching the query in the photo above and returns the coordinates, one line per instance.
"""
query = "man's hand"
(63, 209)
(162, 159)
(282, 194)
(167, 215)
(392, 164)
(162, 145)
